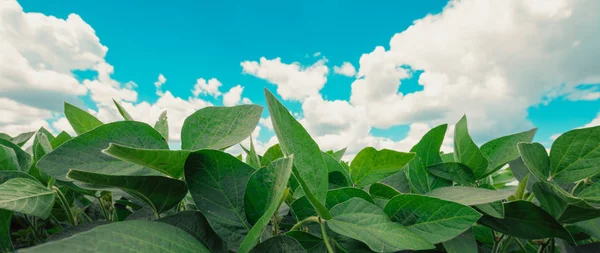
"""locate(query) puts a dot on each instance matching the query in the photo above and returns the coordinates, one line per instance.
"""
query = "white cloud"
(316, 54)
(347, 69)
(161, 80)
(294, 82)
(266, 122)
(233, 96)
(210, 87)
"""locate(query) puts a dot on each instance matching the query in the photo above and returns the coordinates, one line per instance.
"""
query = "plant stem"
(520, 245)
(505, 244)
(325, 238)
(66, 207)
(303, 222)
(543, 247)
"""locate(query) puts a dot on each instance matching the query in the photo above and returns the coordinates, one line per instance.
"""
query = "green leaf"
(84, 152)
(381, 190)
(22, 138)
(341, 195)
(536, 159)
(272, 154)
(60, 139)
(398, 181)
(434, 219)
(264, 192)
(122, 111)
(195, 224)
(336, 171)
(309, 242)
(427, 153)
(591, 193)
(217, 182)
(169, 162)
(521, 188)
(464, 243)
(562, 205)
(127, 236)
(162, 125)
(469, 195)
(467, 152)
(502, 150)
(590, 227)
(448, 157)
(339, 154)
(520, 171)
(575, 155)
(80, 120)
(279, 244)
(525, 220)
(453, 171)
(26, 196)
(23, 158)
(5, 241)
(219, 127)
(371, 165)
(251, 155)
(159, 193)
(8, 159)
(494, 209)
(309, 164)
(363, 221)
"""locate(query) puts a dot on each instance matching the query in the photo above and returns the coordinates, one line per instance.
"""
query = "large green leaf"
(127, 236)
(363, 221)
(520, 171)
(263, 194)
(434, 219)
(26, 196)
(5, 241)
(23, 158)
(272, 154)
(8, 159)
(562, 205)
(575, 155)
(525, 220)
(494, 209)
(469, 195)
(381, 190)
(80, 120)
(302, 208)
(279, 244)
(464, 243)
(309, 242)
(536, 159)
(371, 165)
(195, 224)
(122, 111)
(502, 150)
(453, 171)
(427, 153)
(159, 193)
(217, 182)
(219, 127)
(84, 152)
(590, 227)
(310, 168)
(591, 193)
(61, 138)
(22, 138)
(169, 162)
(466, 151)
(162, 125)
(398, 181)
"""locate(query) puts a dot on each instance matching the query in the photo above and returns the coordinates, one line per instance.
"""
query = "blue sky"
(187, 40)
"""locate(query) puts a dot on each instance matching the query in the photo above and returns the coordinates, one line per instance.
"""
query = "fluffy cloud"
(161, 80)
(294, 82)
(210, 87)
(347, 69)
(234, 96)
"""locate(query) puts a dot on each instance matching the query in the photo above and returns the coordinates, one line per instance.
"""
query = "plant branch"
(325, 237)
(66, 207)
(301, 223)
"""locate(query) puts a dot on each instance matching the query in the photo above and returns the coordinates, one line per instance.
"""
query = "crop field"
(117, 187)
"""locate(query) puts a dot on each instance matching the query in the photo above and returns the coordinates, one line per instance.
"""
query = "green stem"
(505, 244)
(543, 247)
(325, 237)
(520, 245)
(66, 207)
(301, 223)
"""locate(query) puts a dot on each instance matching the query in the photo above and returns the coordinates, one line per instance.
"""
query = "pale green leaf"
(371, 165)
(536, 159)
(502, 150)
(162, 125)
(169, 162)
(80, 120)
(122, 111)
(26, 196)
(453, 171)
(464, 243)
(23, 158)
(575, 155)
(427, 153)
(466, 151)
(8, 159)
(469, 195)
(562, 205)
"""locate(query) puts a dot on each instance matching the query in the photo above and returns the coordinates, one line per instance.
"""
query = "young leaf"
(251, 155)
(219, 127)
(217, 182)
(520, 171)
(381, 190)
(464, 243)
(263, 194)
(335, 168)
(61, 138)
(272, 154)
(22, 138)
(309, 164)
(453, 171)
(339, 154)
(80, 120)
(363, 221)
(575, 155)
(8, 159)
(279, 244)
(469, 195)
(159, 193)
(162, 125)
(562, 205)
(434, 219)
(502, 150)
(341, 195)
(169, 162)
(466, 151)
(26, 196)
(536, 159)
(23, 158)
(195, 224)
(398, 181)
(427, 153)
(127, 236)
(122, 111)
(519, 195)
(371, 165)
(84, 152)
(591, 193)
(525, 220)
